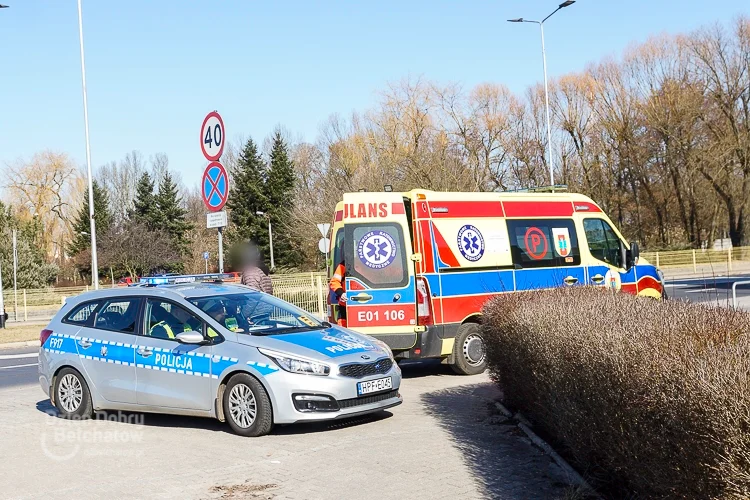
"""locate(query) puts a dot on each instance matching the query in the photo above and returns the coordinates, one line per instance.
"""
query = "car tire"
(72, 396)
(469, 352)
(247, 407)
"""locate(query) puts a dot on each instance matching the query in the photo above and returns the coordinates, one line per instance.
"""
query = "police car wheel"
(72, 396)
(247, 407)
(469, 352)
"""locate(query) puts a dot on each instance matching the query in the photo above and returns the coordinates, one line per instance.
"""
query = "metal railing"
(308, 291)
(728, 259)
(734, 291)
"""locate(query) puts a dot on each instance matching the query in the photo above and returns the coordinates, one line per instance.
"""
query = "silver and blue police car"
(210, 349)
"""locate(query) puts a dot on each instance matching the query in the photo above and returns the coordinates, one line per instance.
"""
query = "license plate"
(381, 384)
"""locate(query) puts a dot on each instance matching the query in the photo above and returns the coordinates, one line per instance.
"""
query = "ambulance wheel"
(247, 407)
(72, 396)
(469, 352)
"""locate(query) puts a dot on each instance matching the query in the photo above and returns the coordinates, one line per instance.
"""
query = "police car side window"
(544, 243)
(118, 315)
(164, 320)
(82, 314)
(604, 245)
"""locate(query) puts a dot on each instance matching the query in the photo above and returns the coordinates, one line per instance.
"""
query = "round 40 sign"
(212, 136)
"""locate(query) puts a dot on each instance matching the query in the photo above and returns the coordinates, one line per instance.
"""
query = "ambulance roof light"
(388, 188)
(542, 189)
(362, 190)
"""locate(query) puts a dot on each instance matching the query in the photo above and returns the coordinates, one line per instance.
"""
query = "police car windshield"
(255, 313)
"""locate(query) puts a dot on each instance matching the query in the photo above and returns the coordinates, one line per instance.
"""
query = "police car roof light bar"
(183, 278)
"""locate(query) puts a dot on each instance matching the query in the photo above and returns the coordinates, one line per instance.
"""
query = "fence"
(307, 291)
(729, 259)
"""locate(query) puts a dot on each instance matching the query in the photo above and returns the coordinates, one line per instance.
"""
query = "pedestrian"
(253, 274)
(337, 286)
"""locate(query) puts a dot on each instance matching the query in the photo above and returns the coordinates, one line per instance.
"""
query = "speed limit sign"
(212, 136)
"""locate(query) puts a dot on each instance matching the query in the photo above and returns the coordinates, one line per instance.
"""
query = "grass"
(20, 333)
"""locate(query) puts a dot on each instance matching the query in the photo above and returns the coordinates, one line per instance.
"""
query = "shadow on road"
(424, 368)
(211, 424)
(500, 457)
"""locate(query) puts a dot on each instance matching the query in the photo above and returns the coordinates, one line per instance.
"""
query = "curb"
(573, 476)
(28, 343)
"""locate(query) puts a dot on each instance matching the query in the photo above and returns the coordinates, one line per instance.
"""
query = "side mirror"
(190, 338)
(634, 253)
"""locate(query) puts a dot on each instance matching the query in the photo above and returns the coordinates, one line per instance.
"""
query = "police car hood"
(328, 344)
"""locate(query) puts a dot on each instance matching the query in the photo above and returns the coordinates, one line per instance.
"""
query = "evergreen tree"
(247, 197)
(279, 191)
(145, 209)
(173, 215)
(81, 225)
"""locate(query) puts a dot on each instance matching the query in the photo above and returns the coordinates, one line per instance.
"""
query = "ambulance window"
(603, 243)
(338, 249)
(375, 255)
(544, 243)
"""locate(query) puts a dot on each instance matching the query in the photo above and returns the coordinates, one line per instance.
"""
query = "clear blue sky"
(155, 68)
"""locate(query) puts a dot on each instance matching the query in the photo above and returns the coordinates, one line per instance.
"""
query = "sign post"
(2, 304)
(215, 183)
(324, 242)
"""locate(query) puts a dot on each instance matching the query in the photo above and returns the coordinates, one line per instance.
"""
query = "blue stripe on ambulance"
(474, 282)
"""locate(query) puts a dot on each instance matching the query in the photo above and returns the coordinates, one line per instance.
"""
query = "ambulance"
(420, 265)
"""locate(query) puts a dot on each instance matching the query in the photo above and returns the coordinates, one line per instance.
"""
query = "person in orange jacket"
(338, 288)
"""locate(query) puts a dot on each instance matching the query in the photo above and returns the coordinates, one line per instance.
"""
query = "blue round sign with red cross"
(215, 186)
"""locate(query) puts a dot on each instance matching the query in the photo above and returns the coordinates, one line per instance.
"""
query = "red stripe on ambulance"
(382, 315)
(466, 209)
(444, 251)
(584, 206)
(538, 208)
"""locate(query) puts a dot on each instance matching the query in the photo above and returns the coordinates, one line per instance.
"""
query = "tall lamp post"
(567, 3)
(270, 234)
(94, 260)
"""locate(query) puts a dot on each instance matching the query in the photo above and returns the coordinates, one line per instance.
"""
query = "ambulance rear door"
(380, 281)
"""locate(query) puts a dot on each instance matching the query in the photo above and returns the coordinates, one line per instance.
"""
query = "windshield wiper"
(291, 329)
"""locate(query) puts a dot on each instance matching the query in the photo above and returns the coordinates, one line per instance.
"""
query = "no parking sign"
(215, 186)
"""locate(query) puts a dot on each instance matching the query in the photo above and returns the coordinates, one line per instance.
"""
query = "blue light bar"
(183, 278)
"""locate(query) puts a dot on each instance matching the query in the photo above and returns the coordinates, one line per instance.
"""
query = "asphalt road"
(710, 290)
(18, 367)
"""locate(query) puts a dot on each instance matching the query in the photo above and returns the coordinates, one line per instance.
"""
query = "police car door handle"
(598, 278)
(84, 343)
(571, 280)
(145, 352)
(361, 297)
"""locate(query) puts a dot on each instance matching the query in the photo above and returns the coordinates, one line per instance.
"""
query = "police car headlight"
(294, 364)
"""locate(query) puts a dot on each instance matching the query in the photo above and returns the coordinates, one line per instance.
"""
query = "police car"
(184, 345)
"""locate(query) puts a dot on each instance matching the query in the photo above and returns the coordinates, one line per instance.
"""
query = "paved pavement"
(446, 441)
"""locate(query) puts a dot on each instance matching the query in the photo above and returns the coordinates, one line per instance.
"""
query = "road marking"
(19, 356)
(702, 290)
(18, 366)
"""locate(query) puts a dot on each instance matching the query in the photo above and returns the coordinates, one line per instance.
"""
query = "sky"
(155, 68)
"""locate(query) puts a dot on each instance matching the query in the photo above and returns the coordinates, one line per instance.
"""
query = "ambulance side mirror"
(633, 254)
(416, 257)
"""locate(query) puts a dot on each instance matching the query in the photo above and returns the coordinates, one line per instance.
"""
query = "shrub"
(647, 398)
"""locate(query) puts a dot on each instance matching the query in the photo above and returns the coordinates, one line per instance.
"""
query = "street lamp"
(568, 3)
(270, 234)
(94, 260)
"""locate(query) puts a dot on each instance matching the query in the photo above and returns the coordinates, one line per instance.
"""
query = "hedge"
(647, 398)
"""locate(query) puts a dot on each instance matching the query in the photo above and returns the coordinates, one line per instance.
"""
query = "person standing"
(253, 274)
(338, 289)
